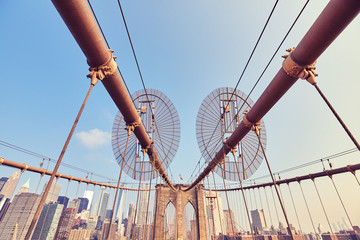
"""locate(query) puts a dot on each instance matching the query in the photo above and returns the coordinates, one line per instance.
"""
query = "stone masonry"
(164, 195)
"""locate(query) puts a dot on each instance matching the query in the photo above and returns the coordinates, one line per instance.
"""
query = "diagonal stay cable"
(138, 67)
(38, 155)
(271, 59)
(247, 63)
(107, 44)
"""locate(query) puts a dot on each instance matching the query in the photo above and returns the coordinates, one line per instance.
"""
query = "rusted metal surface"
(78, 18)
(26, 167)
(328, 173)
(330, 23)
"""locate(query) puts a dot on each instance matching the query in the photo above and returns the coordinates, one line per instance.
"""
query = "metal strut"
(129, 129)
(256, 128)
(46, 191)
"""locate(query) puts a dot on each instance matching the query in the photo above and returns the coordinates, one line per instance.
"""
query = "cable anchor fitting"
(107, 69)
(295, 70)
(254, 126)
(131, 126)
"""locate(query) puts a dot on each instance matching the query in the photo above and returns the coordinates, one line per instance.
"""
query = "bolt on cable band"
(105, 70)
(295, 70)
(254, 126)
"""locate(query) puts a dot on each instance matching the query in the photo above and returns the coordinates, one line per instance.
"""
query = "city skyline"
(192, 55)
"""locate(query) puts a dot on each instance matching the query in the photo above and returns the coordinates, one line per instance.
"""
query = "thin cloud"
(93, 138)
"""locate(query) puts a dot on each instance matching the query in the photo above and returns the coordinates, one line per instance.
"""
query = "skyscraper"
(25, 187)
(53, 192)
(3, 180)
(130, 221)
(258, 220)
(10, 185)
(63, 200)
(48, 221)
(75, 203)
(89, 195)
(20, 212)
(84, 202)
(66, 221)
(230, 224)
(120, 205)
(215, 213)
(4, 206)
(142, 208)
(101, 204)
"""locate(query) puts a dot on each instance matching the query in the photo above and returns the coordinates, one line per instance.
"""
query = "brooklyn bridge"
(274, 159)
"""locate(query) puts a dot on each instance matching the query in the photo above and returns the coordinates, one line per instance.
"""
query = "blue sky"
(185, 49)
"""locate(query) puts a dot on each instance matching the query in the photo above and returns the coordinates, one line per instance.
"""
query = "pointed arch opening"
(190, 222)
(169, 222)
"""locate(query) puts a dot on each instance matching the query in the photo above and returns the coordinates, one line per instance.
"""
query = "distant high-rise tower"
(25, 187)
(84, 202)
(10, 185)
(120, 206)
(101, 204)
(3, 180)
(130, 221)
(89, 195)
(105, 230)
(53, 192)
(63, 200)
(258, 220)
(4, 206)
(48, 222)
(215, 213)
(65, 223)
(20, 212)
(230, 224)
(142, 208)
(75, 203)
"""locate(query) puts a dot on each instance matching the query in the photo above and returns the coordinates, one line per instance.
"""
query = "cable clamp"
(254, 126)
(107, 69)
(131, 126)
(25, 168)
(295, 70)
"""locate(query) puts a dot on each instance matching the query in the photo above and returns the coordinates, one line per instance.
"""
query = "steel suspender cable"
(77, 191)
(227, 200)
(43, 197)
(243, 194)
(261, 204)
(357, 180)
(308, 210)
(275, 186)
(211, 203)
(248, 61)
(218, 207)
(322, 205)
(276, 211)
(342, 203)
(292, 199)
(268, 64)
(252, 53)
(107, 44)
(23, 150)
(251, 202)
(267, 202)
(255, 199)
(147, 207)
(337, 116)
(118, 183)
(137, 198)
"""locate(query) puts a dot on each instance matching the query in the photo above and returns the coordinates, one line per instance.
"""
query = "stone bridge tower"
(164, 195)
